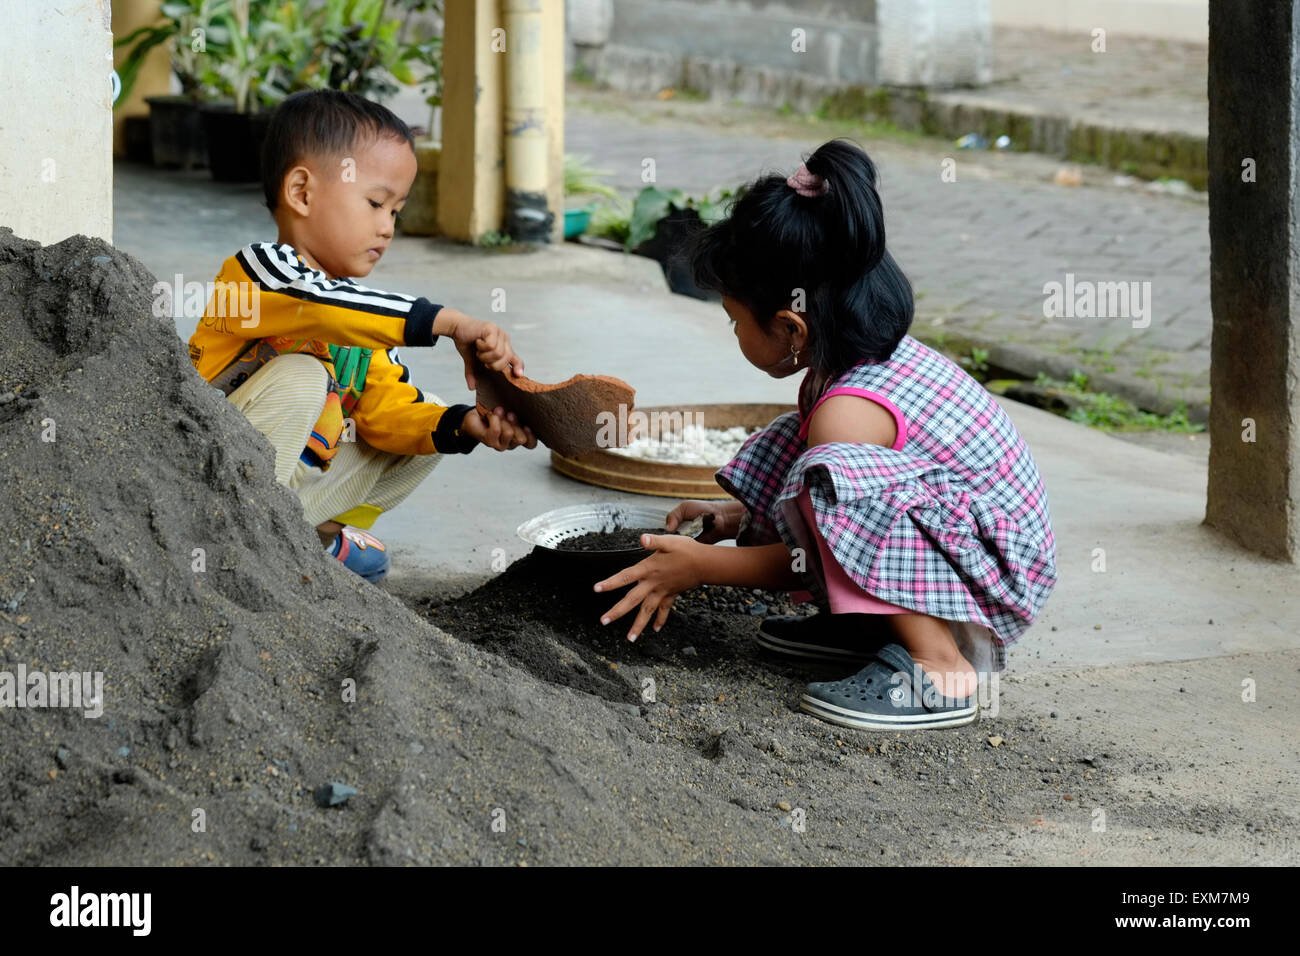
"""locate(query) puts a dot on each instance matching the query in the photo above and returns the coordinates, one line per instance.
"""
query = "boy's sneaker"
(361, 552)
(839, 638)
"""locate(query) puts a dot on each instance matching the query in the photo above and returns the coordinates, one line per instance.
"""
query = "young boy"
(308, 355)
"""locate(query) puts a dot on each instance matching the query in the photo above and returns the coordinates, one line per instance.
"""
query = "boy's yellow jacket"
(267, 294)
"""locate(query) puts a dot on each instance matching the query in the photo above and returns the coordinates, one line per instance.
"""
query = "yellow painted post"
(471, 181)
(528, 218)
(502, 116)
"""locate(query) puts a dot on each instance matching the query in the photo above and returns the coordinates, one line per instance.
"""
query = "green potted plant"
(361, 46)
(235, 130)
(279, 48)
(196, 40)
(423, 58)
(662, 221)
(610, 226)
(582, 185)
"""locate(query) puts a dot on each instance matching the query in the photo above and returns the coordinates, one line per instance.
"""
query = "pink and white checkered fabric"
(955, 524)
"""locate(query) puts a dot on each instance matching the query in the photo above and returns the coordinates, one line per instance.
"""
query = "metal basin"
(547, 530)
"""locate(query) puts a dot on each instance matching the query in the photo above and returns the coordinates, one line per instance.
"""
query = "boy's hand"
(497, 429)
(668, 572)
(486, 343)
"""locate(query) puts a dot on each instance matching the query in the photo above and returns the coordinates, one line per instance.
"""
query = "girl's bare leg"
(929, 640)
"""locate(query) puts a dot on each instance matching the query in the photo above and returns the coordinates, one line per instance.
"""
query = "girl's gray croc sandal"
(884, 696)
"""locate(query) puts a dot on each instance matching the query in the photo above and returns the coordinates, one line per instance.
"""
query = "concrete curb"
(1150, 152)
(1026, 361)
(1146, 152)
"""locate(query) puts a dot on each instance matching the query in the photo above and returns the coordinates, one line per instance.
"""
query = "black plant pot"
(176, 133)
(666, 246)
(137, 140)
(234, 143)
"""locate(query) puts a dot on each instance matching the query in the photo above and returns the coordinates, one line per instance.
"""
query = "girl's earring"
(795, 352)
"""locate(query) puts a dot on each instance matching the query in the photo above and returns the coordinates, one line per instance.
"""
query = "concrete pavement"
(571, 309)
(1160, 633)
(980, 249)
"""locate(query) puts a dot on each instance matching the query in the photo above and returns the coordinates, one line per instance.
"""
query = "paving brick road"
(979, 250)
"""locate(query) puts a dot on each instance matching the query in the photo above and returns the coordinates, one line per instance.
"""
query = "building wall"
(56, 140)
(840, 34)
(1186, 20)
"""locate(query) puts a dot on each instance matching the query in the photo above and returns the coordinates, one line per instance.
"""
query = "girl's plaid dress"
(952, 521)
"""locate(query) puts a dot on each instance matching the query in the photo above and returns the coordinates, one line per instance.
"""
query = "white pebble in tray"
(694, 445)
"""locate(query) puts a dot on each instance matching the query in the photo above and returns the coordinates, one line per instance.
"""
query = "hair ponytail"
(851, 208)
(830, 244)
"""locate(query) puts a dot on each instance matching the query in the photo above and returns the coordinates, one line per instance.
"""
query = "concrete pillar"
(155, 76)
(56, 140)
(472, 168)
(934, 43)
(1254, 184)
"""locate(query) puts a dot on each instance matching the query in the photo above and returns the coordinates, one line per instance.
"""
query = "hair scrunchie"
(806, 183)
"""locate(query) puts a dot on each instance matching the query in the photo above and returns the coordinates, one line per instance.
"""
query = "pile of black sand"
(229, 670)
(622, 539)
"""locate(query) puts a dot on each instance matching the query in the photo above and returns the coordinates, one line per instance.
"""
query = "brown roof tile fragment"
(564, 417)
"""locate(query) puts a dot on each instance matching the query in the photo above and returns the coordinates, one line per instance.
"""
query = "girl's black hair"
(857, 302)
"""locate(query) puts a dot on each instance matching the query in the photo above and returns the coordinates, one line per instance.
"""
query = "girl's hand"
(658, 580)
(497, 429)
(487, 343)
(726, 518)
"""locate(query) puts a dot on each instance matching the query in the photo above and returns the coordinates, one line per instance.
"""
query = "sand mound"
(223, 687)
(226, 681)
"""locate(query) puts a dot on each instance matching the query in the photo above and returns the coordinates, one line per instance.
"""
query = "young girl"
(899, 494)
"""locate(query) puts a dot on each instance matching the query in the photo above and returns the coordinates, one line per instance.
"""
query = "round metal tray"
(665, 479)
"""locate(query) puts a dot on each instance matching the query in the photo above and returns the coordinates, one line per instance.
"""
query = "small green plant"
(653, 204)
(978, 360)
(612, 220)
(255, 54)
(582, 180)
(195, 39)
(361, 47)
(272, 48)
(1111, 413)
(494, 240)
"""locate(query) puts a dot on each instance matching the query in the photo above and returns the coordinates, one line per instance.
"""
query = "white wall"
(56, 135)
(937, 43)
(1171, 19)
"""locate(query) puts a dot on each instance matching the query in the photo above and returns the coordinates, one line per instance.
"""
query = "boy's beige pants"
(283, 399)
